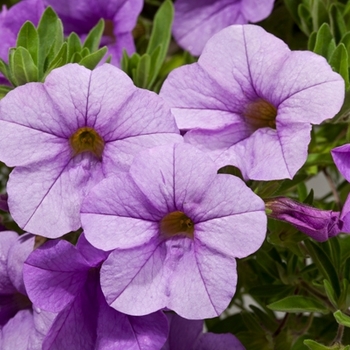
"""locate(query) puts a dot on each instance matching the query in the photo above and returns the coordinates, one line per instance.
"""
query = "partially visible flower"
(250, 101)
(65, 135)
(196, 21)
(22, 325)
(120, 16)
(188, 334)
(64, 278)
(176, 227)
(11, 22)
(317, 223)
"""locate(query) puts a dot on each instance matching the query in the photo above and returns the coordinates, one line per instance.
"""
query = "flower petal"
(53, 191)
(61, 270)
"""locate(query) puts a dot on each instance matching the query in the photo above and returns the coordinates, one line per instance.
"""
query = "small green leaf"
(305, 19)
(50, 33)
(160, 37)
(297, 304)
(330, 293)
(312, 41)
(92, 41)
(324, 264)
(76, 58)
(319, 14)
(323, 41)
(85, 52)
(74, 46)
(93, 59)
(337, 22)
(29, 39)
(24, 69)
(142, 71)
(339, 61)
(4, 89)
(59, 60)
(342, 318)
(312, 345)
(4, 68)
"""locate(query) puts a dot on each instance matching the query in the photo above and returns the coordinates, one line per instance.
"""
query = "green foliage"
(40, 50)
(144, 69)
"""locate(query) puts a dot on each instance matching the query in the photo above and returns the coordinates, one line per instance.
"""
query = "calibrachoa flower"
(316, 223)
(250, 101)
(176, 227)
(65, 135)
(188, 334)
(120, 16)
(65, 279)
(197, 21)
(24, 325)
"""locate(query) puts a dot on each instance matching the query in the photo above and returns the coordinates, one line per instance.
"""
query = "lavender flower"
(250, 101)
(65, 279)
(197, 21)
(187, 334)
(67, 134)
(176, 227)
(120, 17)
(316, 223)
(23, 325)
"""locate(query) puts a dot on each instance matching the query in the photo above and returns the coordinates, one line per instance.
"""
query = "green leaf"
(4, 68)
(142, 71)
(337, 22)
(316, 346)
(92, 60)
(312, 41)
(160, 37)
(4, 89)
(305, 19)
(50, 33)
(23, 66)
(341, 318)
(325, 266)
(323, 41)
(319, 14)
(339, 61)
(74, 46)
(92, 41)
(59, 60)
(29, 39)
(297, 304)
(330, 293)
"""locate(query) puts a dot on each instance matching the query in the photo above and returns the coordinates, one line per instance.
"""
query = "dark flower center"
(109, 31)
(87, 140)
(176, 223)
(260, 114)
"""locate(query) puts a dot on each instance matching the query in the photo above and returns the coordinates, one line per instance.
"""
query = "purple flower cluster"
(162, 229)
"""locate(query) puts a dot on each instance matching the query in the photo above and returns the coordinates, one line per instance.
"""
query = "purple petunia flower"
(250, 101)
(188, 334)
(196, 22)
(65, 135)
(120, 16)
(63, 278)
(316, 223)
(176, 227)
(23, 326)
